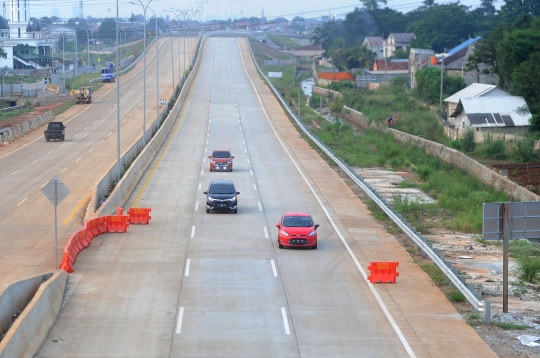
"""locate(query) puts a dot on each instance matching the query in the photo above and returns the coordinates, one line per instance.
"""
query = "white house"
(397, 41)
(25, 47)
(375, 44)
(490, 114)
(474, 90)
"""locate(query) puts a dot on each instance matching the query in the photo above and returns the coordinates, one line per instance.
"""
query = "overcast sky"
(221, 9)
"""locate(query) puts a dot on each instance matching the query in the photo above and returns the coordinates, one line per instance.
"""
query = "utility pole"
(442, 67)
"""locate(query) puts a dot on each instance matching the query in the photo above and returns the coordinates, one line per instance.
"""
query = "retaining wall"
(326, 92)
(451, 156)
(125, 187)
(32, 327)
(13, 133)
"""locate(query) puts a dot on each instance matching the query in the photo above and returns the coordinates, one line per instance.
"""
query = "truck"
(82, 95)
(55, 130)
(107, 73)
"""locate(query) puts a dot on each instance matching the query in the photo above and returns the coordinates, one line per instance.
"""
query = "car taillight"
(284, 233)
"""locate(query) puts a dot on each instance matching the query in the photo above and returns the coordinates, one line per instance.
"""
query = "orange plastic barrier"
(119, 210)
(83, 238)
(139, 215)
(383, 272)
(117, 223)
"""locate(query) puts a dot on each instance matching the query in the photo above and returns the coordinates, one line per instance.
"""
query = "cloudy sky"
(221, 9)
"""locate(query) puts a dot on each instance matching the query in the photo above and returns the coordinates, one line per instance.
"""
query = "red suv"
(296, 230)
(221, 160)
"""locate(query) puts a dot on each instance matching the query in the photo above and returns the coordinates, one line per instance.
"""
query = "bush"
(315, 101)
(528, 268)
(494, 148)
(436, 275)
(525, 149)
(336, 106)
(467, 141)
(523, 248)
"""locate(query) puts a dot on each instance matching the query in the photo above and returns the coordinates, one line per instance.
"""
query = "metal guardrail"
(420, 241)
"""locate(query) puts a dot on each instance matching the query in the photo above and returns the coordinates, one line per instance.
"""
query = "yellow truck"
(82, 95)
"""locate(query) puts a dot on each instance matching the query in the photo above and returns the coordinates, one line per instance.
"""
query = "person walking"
(389, 120)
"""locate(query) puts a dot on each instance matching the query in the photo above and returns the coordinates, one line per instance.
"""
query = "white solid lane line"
(22, 201)
(179, 323)
(285, 321)
(193, 232)
(265, 232)
(197, 205)
(273, 267)
(254, 186)
(260, 207)
(188, 262)
(63, 170)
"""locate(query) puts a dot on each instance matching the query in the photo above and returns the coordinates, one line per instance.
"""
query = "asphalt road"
(193, 284)
(27, 239)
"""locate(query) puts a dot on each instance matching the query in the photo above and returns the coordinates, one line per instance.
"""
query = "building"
(397, 41)
(24, 45)
(418, 59)
(325, 78)
(375, 44)
(492, 114)
(475, 90)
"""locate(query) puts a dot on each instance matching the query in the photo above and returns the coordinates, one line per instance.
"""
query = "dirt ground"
(525, 174)
(43, 105)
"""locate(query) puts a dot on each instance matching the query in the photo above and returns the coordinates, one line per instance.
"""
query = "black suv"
(221, 196)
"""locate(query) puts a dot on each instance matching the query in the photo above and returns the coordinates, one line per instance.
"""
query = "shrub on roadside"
(528, 268)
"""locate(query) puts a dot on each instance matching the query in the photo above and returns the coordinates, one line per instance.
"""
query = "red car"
(297, 230)
(221, 160)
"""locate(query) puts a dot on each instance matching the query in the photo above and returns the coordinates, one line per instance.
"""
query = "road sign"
(524, 220)
(149, 33)
(55, 190)
(275, 74)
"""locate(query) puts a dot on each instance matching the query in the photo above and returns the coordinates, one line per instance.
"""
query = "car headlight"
(284, 233)
(229, 162)
(211, 199)
(211, 161)
(232, 199)
(312, 233)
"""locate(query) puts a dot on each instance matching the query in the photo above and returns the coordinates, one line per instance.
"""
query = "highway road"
(193, 284)
(27, 239)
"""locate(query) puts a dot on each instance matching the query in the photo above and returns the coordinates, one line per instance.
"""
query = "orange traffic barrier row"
(83, 238)
(139, 215)
(383, 272)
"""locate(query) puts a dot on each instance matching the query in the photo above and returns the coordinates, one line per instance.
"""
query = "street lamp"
(144, 70)
(88, 46)
(178, 38)
(118, 164)
(157, 68)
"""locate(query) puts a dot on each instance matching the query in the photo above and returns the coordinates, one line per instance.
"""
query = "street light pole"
(157, 69)
(76, 55)
(118, 165)
(88, 46)
(144, 70)
(172, 55)
(178, 38)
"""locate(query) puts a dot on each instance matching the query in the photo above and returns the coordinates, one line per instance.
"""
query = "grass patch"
(283, 41)
(64, 107)
(528, 268)
(510, 326)
(376, 211)
(474, 318)
(436, 275)
(455, 295)
(518, 248)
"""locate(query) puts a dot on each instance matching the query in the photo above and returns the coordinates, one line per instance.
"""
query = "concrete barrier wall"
(125, 187)
(451, 156)
(326, 92)
(20, 130)
(32, 327)
(14, 298)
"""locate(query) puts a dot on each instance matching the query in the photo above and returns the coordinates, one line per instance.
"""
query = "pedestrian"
(389, 120)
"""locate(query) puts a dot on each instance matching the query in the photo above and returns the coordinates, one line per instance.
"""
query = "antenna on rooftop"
(81, 14)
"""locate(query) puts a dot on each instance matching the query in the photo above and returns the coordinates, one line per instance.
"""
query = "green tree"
(442, 26)
(327, 34)
(107, 30)
(428, 84)
(526, 82)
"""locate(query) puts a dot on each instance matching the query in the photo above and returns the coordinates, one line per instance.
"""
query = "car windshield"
(221, 154)
(297, 221)
(222, 189)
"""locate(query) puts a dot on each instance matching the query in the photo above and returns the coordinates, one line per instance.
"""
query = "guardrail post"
(487, 313)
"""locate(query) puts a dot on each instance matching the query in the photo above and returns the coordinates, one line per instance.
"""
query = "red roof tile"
(337, 76)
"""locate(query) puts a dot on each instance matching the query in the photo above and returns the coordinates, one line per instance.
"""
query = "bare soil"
(524, 174)
(43, 105)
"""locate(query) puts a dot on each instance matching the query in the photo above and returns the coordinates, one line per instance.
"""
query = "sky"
(221, 9)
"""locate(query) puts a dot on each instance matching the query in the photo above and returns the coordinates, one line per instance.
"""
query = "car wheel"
(47, 139)
(207, 211)
(280, 246)
(315, 247)
(63, 137)
(235, 211)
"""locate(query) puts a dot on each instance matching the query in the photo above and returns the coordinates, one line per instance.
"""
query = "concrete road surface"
(27, 240)
(193, 284)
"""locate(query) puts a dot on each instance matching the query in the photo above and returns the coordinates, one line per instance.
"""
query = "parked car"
(297, 229)
(221, 160)
(221, 196)
(55, 130)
